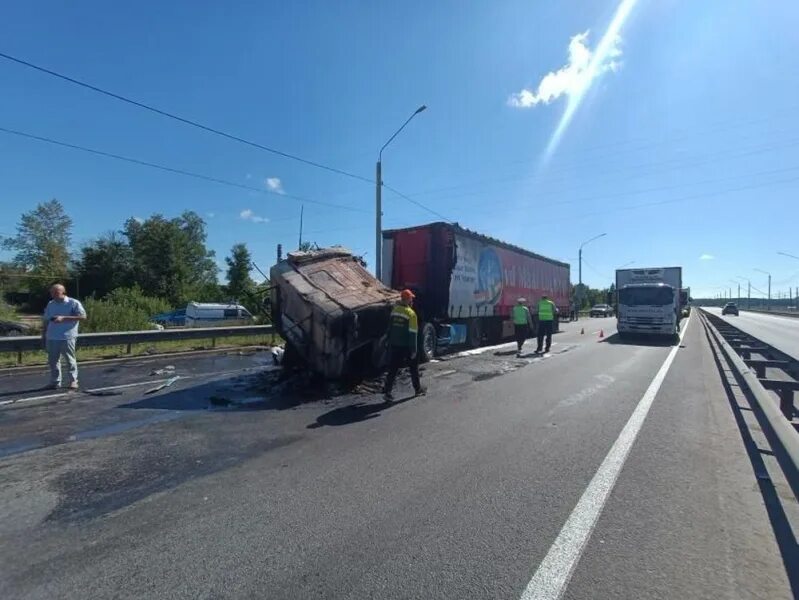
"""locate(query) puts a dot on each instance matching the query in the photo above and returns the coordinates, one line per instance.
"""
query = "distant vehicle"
(730, 309)
(601, 310)
(13, 328)
(685, 301)
(207, 314)
(649, 300)
(171, 318)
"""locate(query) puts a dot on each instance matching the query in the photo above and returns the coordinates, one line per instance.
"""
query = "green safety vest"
(520, 315)
(546, 310)
(403, 327)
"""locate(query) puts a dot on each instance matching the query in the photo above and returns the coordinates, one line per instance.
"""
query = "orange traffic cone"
(601, 333)
(582, 331)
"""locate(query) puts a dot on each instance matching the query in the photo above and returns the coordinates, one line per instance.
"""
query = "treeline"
(161, 261)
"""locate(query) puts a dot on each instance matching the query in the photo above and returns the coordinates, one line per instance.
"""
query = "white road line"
(553, 574)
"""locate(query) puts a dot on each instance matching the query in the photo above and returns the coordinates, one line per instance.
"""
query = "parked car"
(207, 314)
(13, 328)
(730, 309)
(601, 310)
(171, 318)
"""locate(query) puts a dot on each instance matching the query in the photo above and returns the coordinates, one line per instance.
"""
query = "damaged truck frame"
(334, 314)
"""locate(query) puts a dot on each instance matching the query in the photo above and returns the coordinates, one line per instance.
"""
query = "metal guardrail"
(778, 418)
(20, 344)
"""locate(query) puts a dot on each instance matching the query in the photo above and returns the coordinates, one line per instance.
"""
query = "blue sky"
(684, 142)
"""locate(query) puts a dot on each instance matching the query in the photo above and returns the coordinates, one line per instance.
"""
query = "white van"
(207, 314)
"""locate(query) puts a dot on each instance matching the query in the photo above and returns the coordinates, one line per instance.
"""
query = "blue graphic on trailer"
(489, 278)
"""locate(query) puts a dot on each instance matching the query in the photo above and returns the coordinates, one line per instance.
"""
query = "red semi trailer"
(466, 283)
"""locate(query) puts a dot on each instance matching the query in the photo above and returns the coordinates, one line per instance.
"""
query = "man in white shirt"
(60, 334)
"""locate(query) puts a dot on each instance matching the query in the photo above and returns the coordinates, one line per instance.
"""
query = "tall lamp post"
(580, 266)
(379, 197)
(769, 286)
(748, 291)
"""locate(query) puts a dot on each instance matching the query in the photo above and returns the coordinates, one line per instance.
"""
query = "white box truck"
(648, 301)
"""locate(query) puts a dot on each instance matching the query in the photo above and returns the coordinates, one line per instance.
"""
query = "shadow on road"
(355, 413)
(780, 524)
(640, 340)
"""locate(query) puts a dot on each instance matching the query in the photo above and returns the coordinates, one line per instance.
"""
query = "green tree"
(239, 283)
(170, 259)
(42, 241)
(106, 264)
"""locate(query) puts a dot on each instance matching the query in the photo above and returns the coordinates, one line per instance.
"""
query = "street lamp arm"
(592, 239)
(396, 133)
(788, 255)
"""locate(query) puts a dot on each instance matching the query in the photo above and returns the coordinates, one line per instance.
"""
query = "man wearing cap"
(402, 339)
(521, 323)
(547, 313)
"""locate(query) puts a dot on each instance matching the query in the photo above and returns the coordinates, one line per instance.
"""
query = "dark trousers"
(520, 332)
(545, 329)
(398, 359)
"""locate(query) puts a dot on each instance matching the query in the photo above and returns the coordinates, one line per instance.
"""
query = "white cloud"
(707, 257)
(275, 185)
(139, 220)
(572, 79)
(248, 215)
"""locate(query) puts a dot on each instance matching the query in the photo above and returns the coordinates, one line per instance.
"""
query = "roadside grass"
(9, 359)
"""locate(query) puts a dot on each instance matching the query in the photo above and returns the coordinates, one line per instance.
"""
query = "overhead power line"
(184, 120)
(417, 203)
(160, 167)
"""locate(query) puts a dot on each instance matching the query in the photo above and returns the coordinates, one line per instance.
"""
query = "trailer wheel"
(474, 336)
(427, 343)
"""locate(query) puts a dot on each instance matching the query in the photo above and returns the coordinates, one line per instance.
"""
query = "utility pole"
(748, 295)
(302, 210)
(739, 294)
(768, 306)
(379, 198)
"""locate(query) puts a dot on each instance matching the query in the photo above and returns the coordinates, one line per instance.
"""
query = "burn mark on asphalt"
(94, 491)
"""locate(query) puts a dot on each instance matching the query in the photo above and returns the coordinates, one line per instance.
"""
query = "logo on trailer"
(489, 278)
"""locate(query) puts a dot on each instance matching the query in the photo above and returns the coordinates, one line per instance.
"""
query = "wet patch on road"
(91, 491)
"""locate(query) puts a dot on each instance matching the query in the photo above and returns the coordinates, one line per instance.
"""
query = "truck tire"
(427, 342)
(474, 335)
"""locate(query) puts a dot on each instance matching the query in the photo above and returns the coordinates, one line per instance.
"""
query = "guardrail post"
(19, 357)
(213, 342)
(127, 351)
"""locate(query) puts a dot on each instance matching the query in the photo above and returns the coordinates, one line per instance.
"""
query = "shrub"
(124, 309)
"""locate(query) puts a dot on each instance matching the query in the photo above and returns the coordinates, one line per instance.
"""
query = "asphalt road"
(780, 332)
(620, 470)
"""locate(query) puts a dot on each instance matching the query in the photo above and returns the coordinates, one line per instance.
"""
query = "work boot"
(388, 397)
(421, 391)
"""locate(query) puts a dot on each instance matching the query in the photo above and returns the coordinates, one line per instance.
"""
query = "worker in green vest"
(521, 324)
(402, 339)
(547, 313)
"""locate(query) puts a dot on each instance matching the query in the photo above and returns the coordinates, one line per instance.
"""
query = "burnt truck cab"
(466, 283)
(332, 313)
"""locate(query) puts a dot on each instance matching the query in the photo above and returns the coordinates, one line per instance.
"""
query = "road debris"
(166, 384)
(167, 370)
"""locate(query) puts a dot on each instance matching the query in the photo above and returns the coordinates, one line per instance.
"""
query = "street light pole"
(769, 286)
(580, 267)
(379, 197)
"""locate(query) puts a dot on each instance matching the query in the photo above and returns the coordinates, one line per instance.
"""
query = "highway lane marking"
(555, 571)
(124, 386)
